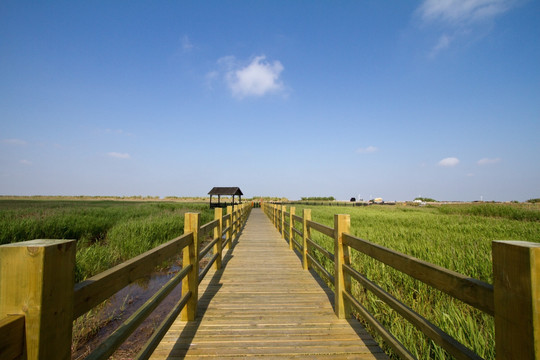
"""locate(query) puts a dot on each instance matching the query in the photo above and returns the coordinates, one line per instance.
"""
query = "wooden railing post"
(37, 280)
(516, 287)
(283, 210)
(218, 248)
(191, 257)
(291, 226)
(230, 225)
(306, 216)
(342, 224)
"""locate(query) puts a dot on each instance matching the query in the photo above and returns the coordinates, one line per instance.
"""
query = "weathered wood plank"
(261, 303)
(11, 337)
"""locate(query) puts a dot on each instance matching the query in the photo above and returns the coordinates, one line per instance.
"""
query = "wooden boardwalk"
(262, 304)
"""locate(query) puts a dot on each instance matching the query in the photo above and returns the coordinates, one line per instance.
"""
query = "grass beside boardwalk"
(456, 237)
(107, 232)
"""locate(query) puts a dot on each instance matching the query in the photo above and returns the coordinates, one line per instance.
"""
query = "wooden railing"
(38, 301)
(513, 299)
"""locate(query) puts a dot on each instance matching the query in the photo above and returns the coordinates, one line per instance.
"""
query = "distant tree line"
(318, 198)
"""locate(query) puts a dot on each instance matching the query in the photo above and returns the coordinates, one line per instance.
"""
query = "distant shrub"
(425, 199)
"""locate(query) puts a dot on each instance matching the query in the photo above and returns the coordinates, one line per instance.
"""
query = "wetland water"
(122, 305)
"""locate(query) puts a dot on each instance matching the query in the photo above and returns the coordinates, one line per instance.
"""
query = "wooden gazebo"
(225, 191)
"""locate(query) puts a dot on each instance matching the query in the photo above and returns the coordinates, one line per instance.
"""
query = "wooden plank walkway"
(262, 304)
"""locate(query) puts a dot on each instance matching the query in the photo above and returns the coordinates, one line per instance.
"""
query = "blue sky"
(391, 99)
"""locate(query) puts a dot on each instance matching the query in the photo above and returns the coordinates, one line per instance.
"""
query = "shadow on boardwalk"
(262, 304)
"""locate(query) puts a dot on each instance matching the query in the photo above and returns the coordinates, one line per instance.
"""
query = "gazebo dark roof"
(225, 191)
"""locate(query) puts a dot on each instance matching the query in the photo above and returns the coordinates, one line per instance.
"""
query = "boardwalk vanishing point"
(262, 304)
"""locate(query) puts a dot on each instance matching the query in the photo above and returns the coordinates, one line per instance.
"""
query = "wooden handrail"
(207, 267)
(113, 341)
(323, 229)
(71, 302)
(93, 291)
(151, 344)
(513, 299)
(321, 268)
(441, 338)
(206, 228)
(12, 337)
(322, 250)
(298, 232)
(208, 247)
(471, 291)
(387, 336)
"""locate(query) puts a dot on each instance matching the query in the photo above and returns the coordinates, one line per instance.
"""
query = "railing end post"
(516, 290)
(36, 280)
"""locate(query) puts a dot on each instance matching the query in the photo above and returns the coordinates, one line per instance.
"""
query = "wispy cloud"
(118, 155)
(13, 142)
(25, 162)
(109, 131)
(258, 78)
(459, 18)
(443, 43)
(449, 162)
(463, 11)
(367, 150)
(488, 161)
(186, 43)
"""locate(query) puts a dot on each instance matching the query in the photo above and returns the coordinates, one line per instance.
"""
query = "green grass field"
(457, 237)
(107, 232)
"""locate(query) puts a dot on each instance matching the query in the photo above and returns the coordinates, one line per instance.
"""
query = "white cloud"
(13, 142)
(258, 78)
(367, 150)
(25, 162)
(449, 162)
(488, 161)
(118, 155)
(463, 11)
